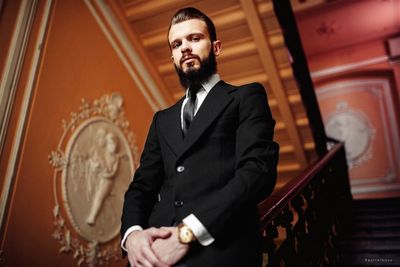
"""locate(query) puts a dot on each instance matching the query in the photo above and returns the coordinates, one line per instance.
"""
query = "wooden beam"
(137, 10)
(289, 167)
(271, 68)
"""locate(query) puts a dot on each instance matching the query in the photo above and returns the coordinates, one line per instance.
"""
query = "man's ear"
(217, 47)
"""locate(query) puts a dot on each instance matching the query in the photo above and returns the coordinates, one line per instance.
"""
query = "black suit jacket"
(229, 164)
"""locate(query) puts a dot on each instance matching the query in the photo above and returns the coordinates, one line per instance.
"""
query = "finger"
(140, 261)
(139, 264)
(145, 263)
(158, 232)
(132, 261)
(151, 257)
(134, 264)
(168, 229)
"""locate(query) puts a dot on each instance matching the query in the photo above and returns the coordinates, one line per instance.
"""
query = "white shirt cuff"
(130, 230)
(198, 229)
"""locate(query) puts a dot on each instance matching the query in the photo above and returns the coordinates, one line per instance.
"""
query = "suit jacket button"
(180, 169)
(178, 203)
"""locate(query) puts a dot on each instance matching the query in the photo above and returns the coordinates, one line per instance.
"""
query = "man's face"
(191, 45)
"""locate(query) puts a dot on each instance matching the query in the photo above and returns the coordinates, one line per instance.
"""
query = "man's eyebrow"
(188, 36)
(196, 33)
(175, 40)
(174, 43)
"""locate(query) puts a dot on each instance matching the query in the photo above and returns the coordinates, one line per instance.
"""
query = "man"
(207, 162)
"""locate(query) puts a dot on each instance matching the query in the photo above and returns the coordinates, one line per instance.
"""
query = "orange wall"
(77, 62)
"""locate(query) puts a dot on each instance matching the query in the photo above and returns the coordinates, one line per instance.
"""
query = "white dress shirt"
(198, 229)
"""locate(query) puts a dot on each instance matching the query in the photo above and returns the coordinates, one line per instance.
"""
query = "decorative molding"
(23, 113)
(93, 164)
(326, 29)
(348, 67)
(380, 89)
(14, 62)
(375, 189)
(126, 53)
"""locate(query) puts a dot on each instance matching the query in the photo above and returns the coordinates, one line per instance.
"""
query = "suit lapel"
(216, 101)
(171, 127)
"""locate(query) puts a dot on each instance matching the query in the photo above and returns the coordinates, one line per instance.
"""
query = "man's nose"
(185, 46)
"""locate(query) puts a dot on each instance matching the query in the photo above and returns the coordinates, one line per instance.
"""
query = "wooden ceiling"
(253, 49)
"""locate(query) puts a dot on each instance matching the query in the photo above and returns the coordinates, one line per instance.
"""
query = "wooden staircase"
(373, 236)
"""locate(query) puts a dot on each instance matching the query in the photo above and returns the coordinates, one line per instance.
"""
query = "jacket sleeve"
(256, 163)
(143, 190)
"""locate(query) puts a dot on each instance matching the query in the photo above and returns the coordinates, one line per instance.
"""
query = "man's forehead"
(187, 27)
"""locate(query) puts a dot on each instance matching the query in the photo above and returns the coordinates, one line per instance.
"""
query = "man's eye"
(196, 38)
(175, 45)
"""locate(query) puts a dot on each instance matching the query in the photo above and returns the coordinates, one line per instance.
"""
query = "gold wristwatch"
(185, 234)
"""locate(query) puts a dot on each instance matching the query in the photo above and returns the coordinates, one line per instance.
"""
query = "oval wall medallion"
(93, 165)
(355, 130)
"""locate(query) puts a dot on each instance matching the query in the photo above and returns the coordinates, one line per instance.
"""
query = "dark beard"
(207, 68)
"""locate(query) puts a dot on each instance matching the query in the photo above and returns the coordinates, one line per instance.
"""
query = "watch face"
(185, 234)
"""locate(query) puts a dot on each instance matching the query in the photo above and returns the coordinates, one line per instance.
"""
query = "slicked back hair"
(188, 13)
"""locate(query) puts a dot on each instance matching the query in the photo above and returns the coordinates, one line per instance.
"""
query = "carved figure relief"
(355, 130)
(94, 163)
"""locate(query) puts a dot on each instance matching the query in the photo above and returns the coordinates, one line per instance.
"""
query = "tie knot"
(193, 89)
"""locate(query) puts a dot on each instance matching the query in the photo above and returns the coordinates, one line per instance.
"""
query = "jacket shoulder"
(252, 86)
(250, 89)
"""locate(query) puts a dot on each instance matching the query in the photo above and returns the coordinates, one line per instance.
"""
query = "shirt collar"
(209, 84)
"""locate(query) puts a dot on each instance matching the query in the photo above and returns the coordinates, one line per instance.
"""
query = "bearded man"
(207, 162)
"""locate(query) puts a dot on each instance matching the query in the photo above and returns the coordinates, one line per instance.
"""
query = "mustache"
(208, 66)
(188, 56)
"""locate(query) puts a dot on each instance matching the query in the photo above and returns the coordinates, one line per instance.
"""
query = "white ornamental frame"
(91, 253)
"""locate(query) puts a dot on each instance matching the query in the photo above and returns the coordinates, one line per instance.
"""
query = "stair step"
(376, 211)
(377, 202)
(373, 235)
(377, 217)
(393, 225)
(370, 259)
(370, 245)
(373, 239)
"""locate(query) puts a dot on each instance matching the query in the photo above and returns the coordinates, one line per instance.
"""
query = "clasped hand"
(155, 247)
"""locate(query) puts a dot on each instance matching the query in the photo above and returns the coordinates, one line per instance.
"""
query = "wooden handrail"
(312, 210)
(274, 204)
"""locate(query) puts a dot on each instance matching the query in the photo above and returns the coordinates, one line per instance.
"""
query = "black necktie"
(188, 109)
